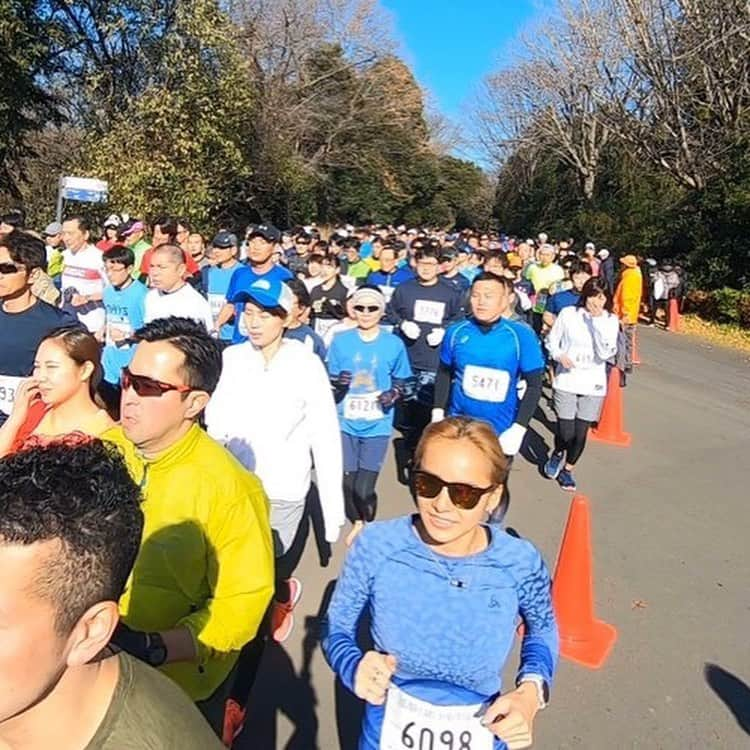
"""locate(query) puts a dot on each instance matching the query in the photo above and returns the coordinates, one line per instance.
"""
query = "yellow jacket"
(206, 558)
(627, 302)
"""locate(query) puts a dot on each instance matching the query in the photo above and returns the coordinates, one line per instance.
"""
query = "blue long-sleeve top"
(450, 641)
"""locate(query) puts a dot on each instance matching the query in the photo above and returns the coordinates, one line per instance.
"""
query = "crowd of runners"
(173, 407)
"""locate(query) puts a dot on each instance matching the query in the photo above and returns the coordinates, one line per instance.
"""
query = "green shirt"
(149, 712)
(358, 270)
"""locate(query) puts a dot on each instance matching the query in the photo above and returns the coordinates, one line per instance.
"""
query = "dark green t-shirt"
(150, 712)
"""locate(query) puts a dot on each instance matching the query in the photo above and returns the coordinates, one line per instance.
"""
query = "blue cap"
(268, 294)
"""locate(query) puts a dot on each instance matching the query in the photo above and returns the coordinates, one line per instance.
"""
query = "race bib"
(8, 387)
(413, 724)
(486, 383)
(364, 406)
(322, 325)
(117, 331)
(215, 302)
(427, 311)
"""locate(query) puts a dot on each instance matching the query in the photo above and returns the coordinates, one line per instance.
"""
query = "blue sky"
(452, 44)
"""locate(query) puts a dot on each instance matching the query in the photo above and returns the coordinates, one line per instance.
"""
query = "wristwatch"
(156, 650)
(542, 687)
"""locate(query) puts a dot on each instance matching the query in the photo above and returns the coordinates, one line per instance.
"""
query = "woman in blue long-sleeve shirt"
(444, 590)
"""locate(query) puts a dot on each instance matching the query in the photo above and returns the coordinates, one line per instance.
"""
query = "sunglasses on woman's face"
(366, 308)
(464, 496)
(8, 268)
(148, 387)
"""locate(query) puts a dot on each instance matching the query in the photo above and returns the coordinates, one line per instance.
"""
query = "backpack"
(672, 281)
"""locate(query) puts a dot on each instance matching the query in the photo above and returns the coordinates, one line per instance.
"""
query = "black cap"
(224, 239)
(448, 252)
(266, 231)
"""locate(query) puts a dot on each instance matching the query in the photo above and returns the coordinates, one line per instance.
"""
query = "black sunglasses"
(464, 496)
(148, 387)
(366, 308)
(8, 268)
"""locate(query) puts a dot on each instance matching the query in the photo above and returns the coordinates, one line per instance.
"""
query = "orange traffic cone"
(609, 430)
(583, 638)
(636, 356)
(673, 316)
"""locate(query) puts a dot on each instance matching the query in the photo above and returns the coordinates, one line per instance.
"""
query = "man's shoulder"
(153, 711)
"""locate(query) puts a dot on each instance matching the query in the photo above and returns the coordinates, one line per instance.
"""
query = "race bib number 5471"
(486, 383)
(413, 724)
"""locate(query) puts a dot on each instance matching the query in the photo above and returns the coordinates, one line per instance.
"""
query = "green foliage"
(723, 305)
(179, 147)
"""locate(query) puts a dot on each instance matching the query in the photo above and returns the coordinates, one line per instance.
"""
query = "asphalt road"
(672, 573)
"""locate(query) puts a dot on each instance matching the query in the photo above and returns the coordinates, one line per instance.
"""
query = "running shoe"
(566, 481)
(234, 721)
(553, 465)
(282, 617)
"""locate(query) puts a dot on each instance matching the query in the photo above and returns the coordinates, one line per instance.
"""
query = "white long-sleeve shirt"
(275, 418)
(186, 302)
(589, 342)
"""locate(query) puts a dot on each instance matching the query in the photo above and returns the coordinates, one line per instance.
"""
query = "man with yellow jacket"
(203, 577)
(627, 300)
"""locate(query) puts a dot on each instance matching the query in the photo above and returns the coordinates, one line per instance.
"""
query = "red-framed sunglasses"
(148, 387)
(464, 496)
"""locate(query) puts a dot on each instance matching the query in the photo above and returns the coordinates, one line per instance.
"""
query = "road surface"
(672, 572)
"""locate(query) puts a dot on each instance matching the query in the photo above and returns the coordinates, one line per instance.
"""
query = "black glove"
(387, 399)
(147, 647)
(340, 385)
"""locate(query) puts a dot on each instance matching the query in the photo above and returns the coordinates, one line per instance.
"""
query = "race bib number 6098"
(413, 724)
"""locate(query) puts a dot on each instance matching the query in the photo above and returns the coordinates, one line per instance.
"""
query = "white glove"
(511, 439)
(438, 415)
(410, 330)
(332, 535)
(435, 336)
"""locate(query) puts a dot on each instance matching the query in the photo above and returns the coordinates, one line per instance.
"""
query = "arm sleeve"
(604, 330)
(394, 312)
(239, 571)
(442, 386)
(402, 367)
(325, 441)
(221, 399)
(540, 646)
(530, 400)
(339, 625)
(554, 337)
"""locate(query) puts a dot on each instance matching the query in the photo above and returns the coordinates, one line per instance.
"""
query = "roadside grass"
(721, 334)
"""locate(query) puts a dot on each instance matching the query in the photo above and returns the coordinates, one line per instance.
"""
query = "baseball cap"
(368, 294)
(590, 246)
(449, 253)
(54, 228)
(113, 220)
(267, 231)
(268, 294)
(514, 260)
(629, 260)
(224, 239)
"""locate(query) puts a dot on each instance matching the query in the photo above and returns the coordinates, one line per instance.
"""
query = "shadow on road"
(535, 449)
(733, 692)
(279, 689)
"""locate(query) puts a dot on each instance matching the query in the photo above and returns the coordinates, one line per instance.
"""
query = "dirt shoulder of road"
(719, 334)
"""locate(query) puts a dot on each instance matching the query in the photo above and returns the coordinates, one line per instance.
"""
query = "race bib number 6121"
(413, 724)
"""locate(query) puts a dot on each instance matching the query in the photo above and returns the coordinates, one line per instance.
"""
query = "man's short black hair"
(578, 265)
(15, 218)
(489, 276)
(299, 290)
(83, 496)
(25, 249)
(427, 252)
(120, 254)
(84, 224)
(202, 367)
(351, 242)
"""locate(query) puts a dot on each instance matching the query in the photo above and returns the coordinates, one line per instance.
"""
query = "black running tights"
(570, 438)
(359, 494)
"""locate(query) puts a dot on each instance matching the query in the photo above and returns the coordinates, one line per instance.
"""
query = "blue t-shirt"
(309, 338)
(450, 641)
(373, 365)
(383, 279)
(125, 312)
(486, 365)
(561, 300)
(241, 280)
(215, 286)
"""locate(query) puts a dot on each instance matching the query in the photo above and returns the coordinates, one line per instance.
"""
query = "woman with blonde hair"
(444, 590)
(58, 401)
